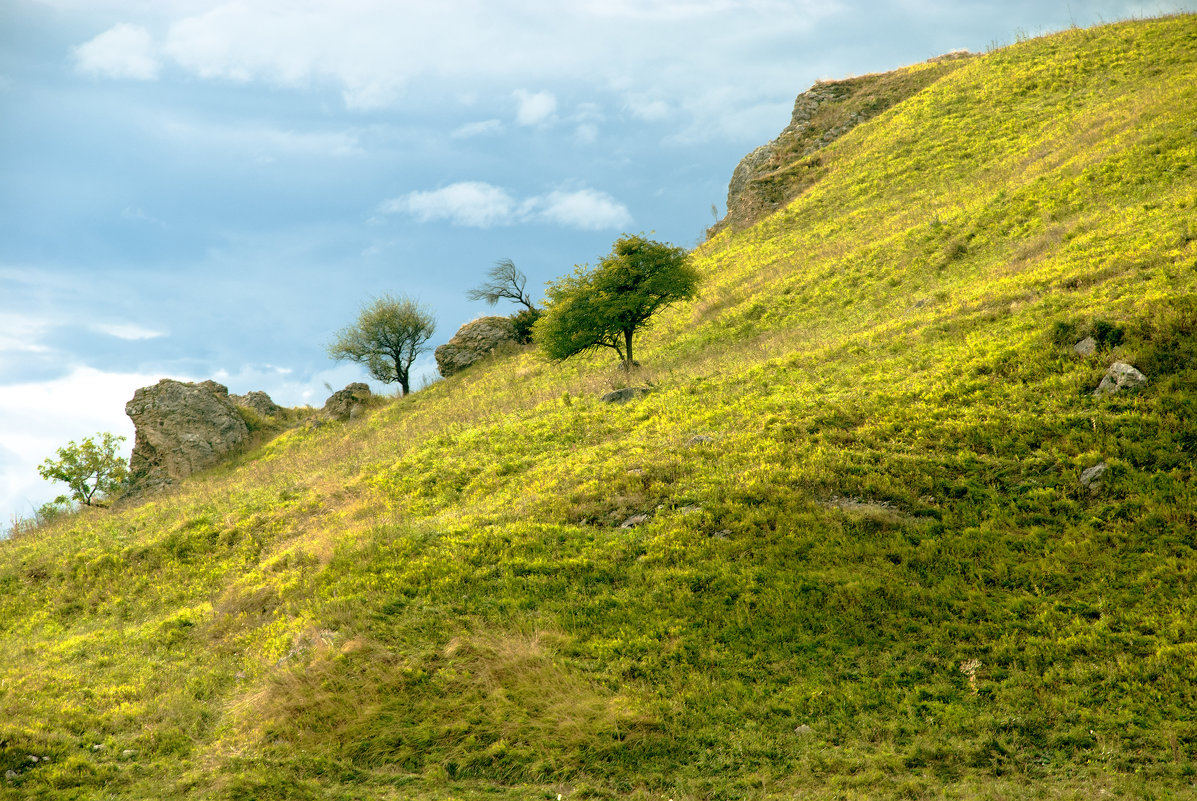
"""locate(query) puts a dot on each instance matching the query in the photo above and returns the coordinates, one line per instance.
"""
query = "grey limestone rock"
(1120, 376)
(181, 428)
(1091, 478)
(260, 402)
(473, 341)
(348, 402)
(624, 395)
(1086, 347)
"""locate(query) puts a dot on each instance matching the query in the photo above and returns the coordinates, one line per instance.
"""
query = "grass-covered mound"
(866, 569)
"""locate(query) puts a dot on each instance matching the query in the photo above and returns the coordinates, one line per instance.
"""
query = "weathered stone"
(626, 394)
(347, 403)
(472, 342)
(634, 520)
(1086, 347)
(1091, 478)
(181, 428)
(700, 439)
(259, 402)
(1120, 376)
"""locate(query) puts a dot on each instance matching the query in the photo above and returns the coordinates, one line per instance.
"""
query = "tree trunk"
(627, 339)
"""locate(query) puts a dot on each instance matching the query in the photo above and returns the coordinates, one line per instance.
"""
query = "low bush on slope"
(858, 561)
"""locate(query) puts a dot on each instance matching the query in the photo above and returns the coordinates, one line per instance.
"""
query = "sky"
(197, 190)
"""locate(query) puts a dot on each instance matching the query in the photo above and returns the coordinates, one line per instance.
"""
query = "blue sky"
(211, 189)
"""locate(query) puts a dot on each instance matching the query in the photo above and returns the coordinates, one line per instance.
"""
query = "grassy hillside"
(867, 568)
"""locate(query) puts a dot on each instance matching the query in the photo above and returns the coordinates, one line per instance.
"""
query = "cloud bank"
(476, 204)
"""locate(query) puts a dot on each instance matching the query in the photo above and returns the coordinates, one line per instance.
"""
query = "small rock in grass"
(1091, 478)
(1086, 347)
(10, 774)
(634, 521)
(803, 730)
(700, 439)
(626, 394)
(1120, 376)
(97, 747)
(128, 752)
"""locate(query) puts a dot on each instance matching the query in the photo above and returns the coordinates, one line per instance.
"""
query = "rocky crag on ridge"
(473, 342)
(777, 172)
(181, 427)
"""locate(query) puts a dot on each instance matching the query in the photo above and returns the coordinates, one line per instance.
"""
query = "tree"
(89, 468)
(389, 334)
(603, 307)
(506, 281)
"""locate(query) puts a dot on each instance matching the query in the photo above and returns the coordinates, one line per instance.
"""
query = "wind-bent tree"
(389, 334)
(89, 468)
(506, 282)
(603, 307)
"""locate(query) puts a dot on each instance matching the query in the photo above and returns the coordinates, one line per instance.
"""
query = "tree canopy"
(89, 468)
(389, 334)
(604, 306)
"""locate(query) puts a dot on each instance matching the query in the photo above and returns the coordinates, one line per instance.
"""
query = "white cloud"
(37, 418)
(377, 53)
(129, 331)
(471, 203)
(534, 107)
(472, 129)
(122, 51)
(646, 108)
(585, 208)
(481, 205)
(586, 133)
(264, 142)
(21, 332)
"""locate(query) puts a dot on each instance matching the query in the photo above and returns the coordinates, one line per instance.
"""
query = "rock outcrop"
(259, 402)
(347, 403)
(775, 173)
(181, 428)
(472, 342)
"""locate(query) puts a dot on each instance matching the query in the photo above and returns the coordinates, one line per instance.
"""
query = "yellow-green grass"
(878, 578)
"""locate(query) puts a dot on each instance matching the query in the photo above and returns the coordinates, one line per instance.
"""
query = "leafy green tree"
(89, 468)
(389, 334)
(603, 307)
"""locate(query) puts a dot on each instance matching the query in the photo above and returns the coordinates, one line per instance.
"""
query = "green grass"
(879, 578)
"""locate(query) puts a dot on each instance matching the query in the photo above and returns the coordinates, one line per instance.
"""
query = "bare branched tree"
(506, 281)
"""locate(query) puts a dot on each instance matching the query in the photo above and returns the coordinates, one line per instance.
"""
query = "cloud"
(471, 203)
(122, 51)
(476, 204)
(264, 142)
(585, 208)
(472, 129)
(37, 418)
(378, 53)
(646, 108)
(534, 108)
(129, 331)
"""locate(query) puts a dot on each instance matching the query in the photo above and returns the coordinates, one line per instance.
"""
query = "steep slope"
(867, 566)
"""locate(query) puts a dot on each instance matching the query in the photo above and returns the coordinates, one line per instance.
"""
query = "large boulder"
(473, 342)
(348, 402)
(181, 428)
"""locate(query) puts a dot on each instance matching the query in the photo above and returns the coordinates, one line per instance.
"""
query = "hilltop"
(841, 549)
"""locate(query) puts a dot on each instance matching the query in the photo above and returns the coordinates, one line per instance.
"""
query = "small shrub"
(522, 321)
